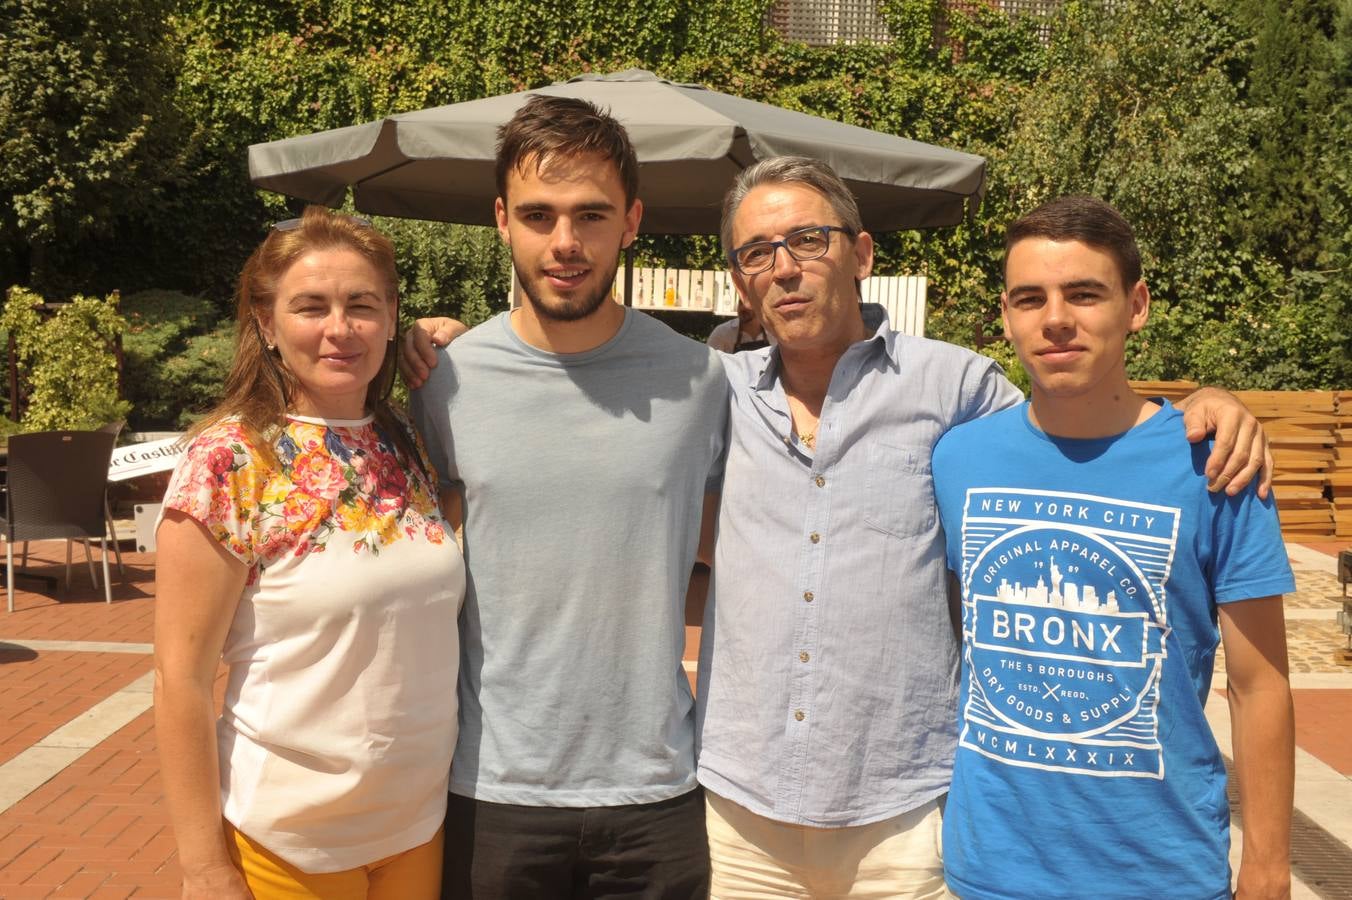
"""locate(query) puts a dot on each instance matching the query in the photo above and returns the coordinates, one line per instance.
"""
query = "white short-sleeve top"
(340, 713)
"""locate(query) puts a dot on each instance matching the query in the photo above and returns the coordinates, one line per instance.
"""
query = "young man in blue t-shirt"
(1096, 575)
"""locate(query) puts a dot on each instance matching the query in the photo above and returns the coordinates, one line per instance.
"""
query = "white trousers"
(755, 858)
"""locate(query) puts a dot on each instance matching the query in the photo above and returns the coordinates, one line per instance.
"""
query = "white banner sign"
(145, 459)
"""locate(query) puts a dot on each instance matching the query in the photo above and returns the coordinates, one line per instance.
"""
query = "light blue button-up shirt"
(828, 665)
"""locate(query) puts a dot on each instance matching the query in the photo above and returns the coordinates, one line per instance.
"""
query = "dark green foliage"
(1293, 79)
(159, 321)
(1222, 129)
(456, 270)
(169, 372)
(1143, 104)
(176, 352)
(191, 381)
(89, 136)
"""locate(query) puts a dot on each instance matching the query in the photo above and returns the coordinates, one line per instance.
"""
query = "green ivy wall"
(1222, 128)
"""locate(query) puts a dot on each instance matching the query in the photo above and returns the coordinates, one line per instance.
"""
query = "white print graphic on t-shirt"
(1064, 621)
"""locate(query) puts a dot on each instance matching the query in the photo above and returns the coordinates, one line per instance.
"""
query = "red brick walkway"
(42, 693)
(99, 827)
(1322, 719)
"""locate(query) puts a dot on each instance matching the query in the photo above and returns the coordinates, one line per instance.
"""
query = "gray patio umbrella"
(691, 142)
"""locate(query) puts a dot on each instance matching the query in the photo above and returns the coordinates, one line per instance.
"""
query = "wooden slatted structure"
(1301, 426)
(1170, 390)
(706, 290)
(1311, 437)
(1340, 472)
(903, 296)
(701, 290)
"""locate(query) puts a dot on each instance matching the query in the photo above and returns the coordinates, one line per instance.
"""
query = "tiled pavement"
(79, 785)
(80, 809)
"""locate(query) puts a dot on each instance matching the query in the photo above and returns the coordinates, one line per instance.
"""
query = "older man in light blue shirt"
(828, 668)
(828, 675)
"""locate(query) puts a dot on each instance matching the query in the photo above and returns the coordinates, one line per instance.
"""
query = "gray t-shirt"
(583, 477)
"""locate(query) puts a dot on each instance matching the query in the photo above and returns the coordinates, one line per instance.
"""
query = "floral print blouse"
(330, 478)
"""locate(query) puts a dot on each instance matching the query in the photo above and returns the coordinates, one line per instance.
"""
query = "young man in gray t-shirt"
(583, 439)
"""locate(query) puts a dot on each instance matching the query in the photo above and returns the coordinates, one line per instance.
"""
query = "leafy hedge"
(1222, 128)
(175, 356)
(67, 360)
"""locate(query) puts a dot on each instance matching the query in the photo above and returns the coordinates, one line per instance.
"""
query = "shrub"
(67, 360)
(162, 326)
(192, 381)
(449, 270)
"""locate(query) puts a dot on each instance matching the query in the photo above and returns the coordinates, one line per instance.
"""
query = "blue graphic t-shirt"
(1091, 571)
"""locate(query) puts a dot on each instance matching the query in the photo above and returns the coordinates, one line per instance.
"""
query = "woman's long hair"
(259, 388)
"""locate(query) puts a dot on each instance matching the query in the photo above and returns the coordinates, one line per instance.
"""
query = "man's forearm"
(1263, 735)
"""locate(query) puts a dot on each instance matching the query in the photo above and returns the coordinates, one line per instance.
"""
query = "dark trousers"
(652, 851)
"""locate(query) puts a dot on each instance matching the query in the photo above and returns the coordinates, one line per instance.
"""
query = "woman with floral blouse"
(301, 544)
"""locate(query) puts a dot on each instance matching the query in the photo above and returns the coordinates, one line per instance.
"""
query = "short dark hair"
(1089, 220)
(547, 127)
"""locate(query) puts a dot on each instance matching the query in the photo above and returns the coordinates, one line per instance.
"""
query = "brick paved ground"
(80, 613)
(1322, 719)
(98, 827)
(42, 691)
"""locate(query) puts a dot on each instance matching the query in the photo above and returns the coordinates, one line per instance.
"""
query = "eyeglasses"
(804, 244)
(293, 224)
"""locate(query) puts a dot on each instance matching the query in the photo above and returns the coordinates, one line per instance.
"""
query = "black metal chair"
(113, 428)
(57, 490)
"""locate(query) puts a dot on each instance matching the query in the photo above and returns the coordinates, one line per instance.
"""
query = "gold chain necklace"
(808, 440)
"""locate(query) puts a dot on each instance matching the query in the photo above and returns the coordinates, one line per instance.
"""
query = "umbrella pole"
(629, 275)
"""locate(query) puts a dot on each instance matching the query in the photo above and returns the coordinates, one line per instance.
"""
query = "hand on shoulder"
(421, 343)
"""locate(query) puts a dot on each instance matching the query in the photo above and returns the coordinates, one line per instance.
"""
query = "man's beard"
(569, 310)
